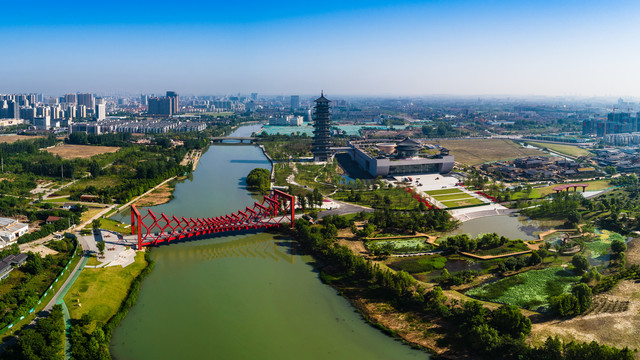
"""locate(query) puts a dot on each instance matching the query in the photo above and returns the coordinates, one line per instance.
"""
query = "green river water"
(242, 296)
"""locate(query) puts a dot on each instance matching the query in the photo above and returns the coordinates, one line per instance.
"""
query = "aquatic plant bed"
(402, 246)
(529, 290)
(420, 264)
(599, 251)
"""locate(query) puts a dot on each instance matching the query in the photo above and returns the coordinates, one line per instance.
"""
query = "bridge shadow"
(211, 236)
(258, 162)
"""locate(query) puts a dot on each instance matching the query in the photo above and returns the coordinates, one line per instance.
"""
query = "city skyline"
(409, 48)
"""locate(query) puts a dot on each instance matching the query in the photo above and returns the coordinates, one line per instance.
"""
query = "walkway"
(59, 299)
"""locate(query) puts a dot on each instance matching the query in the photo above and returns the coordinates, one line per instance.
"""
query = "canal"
(242, 296)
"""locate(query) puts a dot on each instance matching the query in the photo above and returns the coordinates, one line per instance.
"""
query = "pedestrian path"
(65, 311)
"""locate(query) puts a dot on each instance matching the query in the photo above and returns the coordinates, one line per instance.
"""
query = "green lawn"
(465, 202)
(108, 224)
(444, 191)
(452, 197)
(400, 198)
(570, 150)
(593, 185)
(510, 247)
(99, 292)
(529, 290)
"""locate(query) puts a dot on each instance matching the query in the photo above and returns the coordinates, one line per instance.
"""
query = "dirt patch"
(67, 151)
(161, 195)
(614, 322)
(633, 252)
(13, 138)
(42, 250)
(466, 151)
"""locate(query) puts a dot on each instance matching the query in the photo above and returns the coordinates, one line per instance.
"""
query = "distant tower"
(322, 129)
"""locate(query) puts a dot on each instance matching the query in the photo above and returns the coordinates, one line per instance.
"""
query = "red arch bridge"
(152, 229)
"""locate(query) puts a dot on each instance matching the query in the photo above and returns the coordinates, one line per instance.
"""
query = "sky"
(374, 47)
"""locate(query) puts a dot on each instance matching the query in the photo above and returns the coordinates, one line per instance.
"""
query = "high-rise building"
(295, 102)
(9, 109)
(175, 101)
(81, 111)
(161, 106)
(254, 96)
(101, 109)
(86, 100)
(144, 100)
(71, 98)
(322, 129)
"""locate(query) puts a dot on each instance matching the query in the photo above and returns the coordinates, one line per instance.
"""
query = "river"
(242, 296)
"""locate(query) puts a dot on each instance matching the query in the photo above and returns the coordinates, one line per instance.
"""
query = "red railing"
(421, 199)
(276, 208)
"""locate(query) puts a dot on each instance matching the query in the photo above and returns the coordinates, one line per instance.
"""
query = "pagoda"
(322, 129)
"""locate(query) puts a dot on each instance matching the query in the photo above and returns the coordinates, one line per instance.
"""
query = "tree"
(580, 262)
(34, 263)
(259, 179)
(101, 246)
(94, 168)
(508, 320)
(582, 292)
(95, 224)
(618, 246)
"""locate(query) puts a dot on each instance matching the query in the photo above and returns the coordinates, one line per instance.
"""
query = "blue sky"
(372, 47)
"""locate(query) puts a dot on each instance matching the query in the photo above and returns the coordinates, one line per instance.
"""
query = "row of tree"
(491, 334)
(43, 342)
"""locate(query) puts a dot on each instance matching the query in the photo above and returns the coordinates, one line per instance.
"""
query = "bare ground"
(614, 324)
(14, 138)
(161, 195)
(67, 151)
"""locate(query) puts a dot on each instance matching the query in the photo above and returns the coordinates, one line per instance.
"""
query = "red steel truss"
(276, 208)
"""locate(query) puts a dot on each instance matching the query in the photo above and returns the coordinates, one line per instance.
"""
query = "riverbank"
(161, 195)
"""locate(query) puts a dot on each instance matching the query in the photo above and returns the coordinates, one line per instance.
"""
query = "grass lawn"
(593, 185)
(99, 292)
(91, 212)
(113, 225)
(510, 247)
(478, 151)
(529, 290)
(59, 200)
(282, 171)
(400, 198)
(453, 197)
(465, 202)
(444, 191)
(570, 150)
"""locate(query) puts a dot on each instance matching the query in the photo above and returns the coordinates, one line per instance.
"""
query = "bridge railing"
(275, 209)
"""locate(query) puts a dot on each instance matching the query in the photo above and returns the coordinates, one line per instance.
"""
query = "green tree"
(582, 292)
(508, 320)
(101, 245)
(94, 169)
(618, 246)
(580, 263)
(259, 179)
(95, 224)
